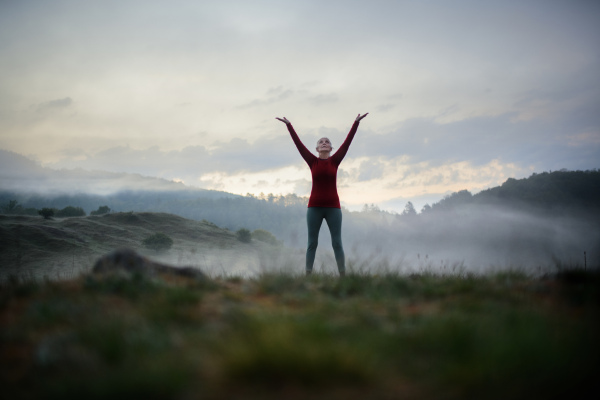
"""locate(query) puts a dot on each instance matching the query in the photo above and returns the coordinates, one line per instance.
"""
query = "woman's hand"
(361, 117)
(284, 119)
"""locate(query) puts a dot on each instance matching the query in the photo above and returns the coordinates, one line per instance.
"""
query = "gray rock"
(128, 260)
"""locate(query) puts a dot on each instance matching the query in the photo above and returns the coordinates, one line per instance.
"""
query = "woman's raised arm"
(304, 152)
(341, 153)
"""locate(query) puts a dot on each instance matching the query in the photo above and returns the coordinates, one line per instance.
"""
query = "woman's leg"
(314, 219)
(333, 216)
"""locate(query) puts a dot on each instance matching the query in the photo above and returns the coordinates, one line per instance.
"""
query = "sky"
(460, 94)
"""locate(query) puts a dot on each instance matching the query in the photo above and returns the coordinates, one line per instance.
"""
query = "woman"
(324, 202)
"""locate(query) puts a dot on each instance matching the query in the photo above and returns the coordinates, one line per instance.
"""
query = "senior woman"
(324, 202)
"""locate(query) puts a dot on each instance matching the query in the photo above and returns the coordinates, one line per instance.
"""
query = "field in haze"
(273, 336)
(257, 328)
(61, 248)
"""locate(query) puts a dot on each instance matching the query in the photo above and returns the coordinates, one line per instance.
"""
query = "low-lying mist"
(473, 238)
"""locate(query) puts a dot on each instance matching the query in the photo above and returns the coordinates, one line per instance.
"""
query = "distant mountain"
(14, 164)
(20, 175)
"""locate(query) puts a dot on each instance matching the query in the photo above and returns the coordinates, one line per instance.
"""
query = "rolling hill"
(64, 247)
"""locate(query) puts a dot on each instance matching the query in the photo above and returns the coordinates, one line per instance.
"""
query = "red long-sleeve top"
(324, 172)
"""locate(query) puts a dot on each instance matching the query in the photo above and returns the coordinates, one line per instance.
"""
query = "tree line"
(12, 207)
(566, 192)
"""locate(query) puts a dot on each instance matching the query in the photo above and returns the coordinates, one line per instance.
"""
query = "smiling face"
(324, 145)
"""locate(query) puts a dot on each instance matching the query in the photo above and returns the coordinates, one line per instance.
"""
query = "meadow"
(278, 335)
(253, 328)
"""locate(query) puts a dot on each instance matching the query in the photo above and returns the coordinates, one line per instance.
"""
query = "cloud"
(273, 96)
(321, 99)
(53, 104)
(540, 143)
(370, 169)
(230, 157)
(385, 107)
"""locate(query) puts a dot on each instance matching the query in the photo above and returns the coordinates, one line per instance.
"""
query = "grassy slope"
(63, 247)
(279, 336)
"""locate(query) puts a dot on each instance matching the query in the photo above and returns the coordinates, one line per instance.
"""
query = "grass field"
(390, 336)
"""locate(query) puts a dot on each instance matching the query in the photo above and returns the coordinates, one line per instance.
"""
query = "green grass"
(427, 336)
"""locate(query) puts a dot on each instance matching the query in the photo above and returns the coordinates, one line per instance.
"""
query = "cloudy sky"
(460, 94)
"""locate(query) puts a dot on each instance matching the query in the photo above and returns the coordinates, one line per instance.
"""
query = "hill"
(64, 247)
(565, 192)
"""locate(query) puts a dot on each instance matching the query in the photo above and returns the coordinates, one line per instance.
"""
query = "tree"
(158, 242)
(101, 210)
(47, 213)
(370, 208)
(409, 210)
(244, 235)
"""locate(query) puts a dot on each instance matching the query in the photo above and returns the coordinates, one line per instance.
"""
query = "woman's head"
(324, 145)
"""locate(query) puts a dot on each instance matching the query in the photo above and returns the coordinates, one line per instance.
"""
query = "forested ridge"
(566, 191)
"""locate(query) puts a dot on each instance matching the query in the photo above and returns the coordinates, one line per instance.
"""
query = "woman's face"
(324, 145)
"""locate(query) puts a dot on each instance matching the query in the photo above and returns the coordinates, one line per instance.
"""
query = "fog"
(466, 236)
(474, 238)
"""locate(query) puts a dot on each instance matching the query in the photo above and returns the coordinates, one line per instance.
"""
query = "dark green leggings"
(314, 219)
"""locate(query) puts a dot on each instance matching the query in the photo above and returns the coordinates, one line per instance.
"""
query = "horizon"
(63, 184)
(460, 96)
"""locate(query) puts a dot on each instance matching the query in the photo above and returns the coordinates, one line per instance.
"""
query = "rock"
(129, 261)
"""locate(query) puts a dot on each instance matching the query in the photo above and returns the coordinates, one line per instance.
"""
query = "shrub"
(244, 235)
(101, 210)
(264, 236)
(158, 242)
(70, 211)
(47, 213)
